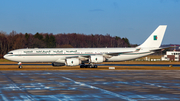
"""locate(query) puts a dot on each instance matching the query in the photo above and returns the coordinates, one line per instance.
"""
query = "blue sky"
(134, 19)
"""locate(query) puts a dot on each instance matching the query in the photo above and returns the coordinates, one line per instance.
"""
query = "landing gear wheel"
(88, 66)
(20, 66)
(91, 65)
(95, 66)
(81, 66)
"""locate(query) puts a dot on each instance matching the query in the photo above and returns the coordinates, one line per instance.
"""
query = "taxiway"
(106, 85)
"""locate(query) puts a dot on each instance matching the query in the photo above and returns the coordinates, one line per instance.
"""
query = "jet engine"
(58, 64)
(72, 62)
(96, 59)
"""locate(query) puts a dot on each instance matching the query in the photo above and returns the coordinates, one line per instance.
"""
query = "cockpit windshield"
(10, 53)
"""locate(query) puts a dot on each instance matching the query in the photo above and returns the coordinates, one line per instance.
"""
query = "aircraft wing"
(168, 47)
(117, 53)
(107, 55)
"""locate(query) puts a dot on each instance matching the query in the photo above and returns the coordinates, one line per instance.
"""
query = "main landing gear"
(20, 65)
(88, 65)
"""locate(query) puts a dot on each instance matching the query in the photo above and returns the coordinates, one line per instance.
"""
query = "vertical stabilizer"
(155, 39)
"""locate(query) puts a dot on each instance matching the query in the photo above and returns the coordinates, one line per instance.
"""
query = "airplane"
(87, 57)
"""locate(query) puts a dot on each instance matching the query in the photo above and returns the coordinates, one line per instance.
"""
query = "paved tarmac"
(90, 85)
(154, 65)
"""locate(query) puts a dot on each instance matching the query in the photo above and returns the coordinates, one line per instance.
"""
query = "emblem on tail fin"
(155, 37)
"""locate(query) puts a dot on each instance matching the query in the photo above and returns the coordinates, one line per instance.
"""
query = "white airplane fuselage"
(59, 54)
(77, 56)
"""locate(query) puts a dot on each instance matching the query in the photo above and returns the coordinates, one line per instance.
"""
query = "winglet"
(155, 39)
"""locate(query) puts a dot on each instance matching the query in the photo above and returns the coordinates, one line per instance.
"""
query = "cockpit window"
(10, 53)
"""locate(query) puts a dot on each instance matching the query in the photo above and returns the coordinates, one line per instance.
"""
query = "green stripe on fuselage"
(47, 54)
(72, 54)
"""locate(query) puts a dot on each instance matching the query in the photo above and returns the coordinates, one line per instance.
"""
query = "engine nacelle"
(72, 62)
(96, 59)
(58, 64)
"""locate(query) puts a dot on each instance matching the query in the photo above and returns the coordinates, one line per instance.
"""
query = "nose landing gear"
(20, 65)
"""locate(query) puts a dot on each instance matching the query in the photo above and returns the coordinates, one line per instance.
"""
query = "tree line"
(15, 40)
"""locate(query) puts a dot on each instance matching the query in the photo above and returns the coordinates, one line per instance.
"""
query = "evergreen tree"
(127, 41)
(47, 40)
(52, 41)
(26, 36)
(39, 36)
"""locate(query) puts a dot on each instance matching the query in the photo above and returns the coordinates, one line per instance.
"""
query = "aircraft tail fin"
(155, 39)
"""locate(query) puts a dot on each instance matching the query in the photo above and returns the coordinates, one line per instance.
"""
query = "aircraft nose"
(5, 56)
